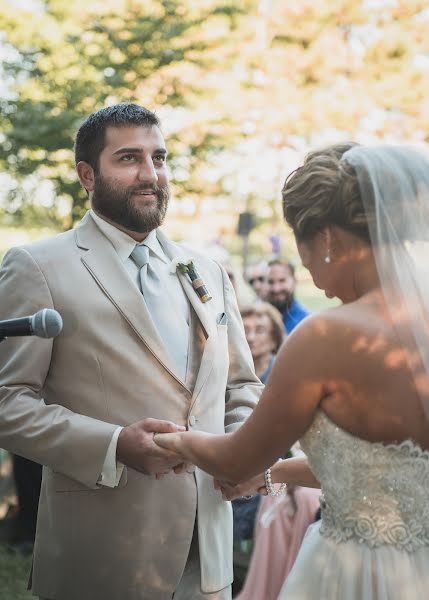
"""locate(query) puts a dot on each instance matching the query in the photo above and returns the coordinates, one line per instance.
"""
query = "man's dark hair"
(90, 138)
(283, 263)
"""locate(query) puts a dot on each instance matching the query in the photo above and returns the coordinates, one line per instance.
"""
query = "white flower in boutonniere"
(187, 267)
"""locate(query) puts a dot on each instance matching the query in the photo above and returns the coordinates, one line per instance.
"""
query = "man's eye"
(127, 157)
(160, 158)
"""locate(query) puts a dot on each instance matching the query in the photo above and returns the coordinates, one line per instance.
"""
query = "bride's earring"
(327, 258)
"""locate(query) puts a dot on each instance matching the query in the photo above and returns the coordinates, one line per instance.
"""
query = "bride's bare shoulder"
(341, 322)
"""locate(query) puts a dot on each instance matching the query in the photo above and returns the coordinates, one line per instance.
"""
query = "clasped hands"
(186, 445)
(144, 447)
(136, 448)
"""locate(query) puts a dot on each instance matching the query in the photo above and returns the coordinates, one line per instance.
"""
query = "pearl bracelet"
(269, 485)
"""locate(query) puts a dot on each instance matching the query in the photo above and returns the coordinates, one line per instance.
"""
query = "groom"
(140, 353)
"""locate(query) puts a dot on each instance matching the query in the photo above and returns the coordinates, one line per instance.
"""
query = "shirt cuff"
(112, 468)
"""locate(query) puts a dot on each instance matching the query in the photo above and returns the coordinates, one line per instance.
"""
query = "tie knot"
(140, 255)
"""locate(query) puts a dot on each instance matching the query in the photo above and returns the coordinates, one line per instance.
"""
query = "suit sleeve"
(69, 443)
(243, 386)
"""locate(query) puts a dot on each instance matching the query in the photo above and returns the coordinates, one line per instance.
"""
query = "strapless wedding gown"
(373, 540)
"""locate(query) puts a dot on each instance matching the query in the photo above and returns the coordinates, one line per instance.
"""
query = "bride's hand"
(231, 491)
(187, 444)
(169, 441)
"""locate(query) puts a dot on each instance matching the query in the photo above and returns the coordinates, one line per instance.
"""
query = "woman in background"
(264, 330)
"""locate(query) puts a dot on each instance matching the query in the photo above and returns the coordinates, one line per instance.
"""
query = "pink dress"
(280, 528)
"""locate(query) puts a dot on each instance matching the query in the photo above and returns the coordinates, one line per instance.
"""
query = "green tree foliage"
(239, 86)
(315, 64)
(70, 58)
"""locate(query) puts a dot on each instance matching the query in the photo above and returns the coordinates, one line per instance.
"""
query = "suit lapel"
(102, 261)
(203, 312)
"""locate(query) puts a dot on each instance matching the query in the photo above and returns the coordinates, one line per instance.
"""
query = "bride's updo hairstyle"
(324, 191)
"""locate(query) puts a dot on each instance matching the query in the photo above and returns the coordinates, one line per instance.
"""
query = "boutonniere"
(187, 267)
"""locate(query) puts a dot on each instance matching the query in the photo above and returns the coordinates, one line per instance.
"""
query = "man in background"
(281, 285)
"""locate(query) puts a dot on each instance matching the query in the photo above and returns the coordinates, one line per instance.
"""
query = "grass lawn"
(14, 572)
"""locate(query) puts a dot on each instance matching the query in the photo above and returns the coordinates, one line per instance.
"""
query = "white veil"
(394, 186)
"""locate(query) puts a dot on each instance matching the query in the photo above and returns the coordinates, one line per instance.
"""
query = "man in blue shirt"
(281, 284)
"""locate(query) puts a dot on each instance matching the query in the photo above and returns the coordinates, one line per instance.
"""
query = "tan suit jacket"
(62, 399)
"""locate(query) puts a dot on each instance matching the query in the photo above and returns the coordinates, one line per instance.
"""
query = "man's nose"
(147, 171)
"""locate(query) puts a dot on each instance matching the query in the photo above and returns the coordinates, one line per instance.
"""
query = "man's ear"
(86, 175)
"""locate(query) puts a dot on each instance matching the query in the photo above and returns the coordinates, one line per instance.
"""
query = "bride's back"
(376, 383)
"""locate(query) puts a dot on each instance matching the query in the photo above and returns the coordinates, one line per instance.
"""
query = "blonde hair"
(324, 191)
(264, 309)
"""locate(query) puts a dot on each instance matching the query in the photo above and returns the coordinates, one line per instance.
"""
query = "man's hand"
(136, 448)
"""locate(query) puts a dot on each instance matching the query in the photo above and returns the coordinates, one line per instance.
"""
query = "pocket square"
(222, 319)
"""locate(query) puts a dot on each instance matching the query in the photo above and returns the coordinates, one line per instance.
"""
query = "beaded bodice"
(372, 492)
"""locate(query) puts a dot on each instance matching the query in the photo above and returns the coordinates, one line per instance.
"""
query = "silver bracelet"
(269, 485)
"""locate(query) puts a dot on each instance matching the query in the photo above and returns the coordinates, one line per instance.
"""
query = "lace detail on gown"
(375, 493)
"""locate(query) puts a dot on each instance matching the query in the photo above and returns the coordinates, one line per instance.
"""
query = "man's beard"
(284, 304)
(119, 206)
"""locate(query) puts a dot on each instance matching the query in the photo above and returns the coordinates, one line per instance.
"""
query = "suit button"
(192, 420)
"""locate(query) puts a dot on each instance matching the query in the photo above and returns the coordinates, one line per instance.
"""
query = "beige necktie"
(171, 326)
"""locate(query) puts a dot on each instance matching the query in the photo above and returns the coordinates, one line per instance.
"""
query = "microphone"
(46, 323)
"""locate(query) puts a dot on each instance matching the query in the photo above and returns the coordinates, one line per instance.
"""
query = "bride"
(352, 383)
